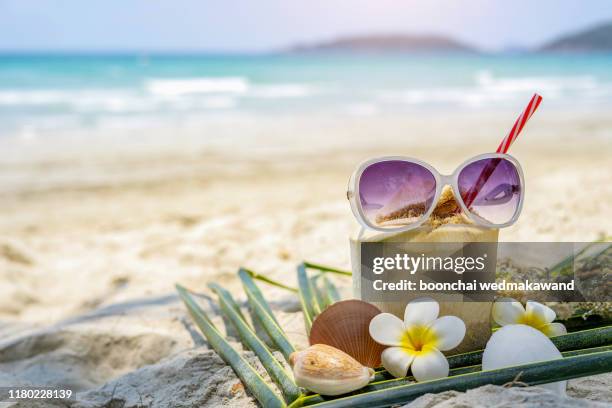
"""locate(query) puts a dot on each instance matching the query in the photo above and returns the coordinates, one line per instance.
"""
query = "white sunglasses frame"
(442, 180)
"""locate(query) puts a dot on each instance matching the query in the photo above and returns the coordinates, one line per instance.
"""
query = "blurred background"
(71, 66)
(149, 142)
(144, 143)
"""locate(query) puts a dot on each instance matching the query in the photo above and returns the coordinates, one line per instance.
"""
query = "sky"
(255, 26)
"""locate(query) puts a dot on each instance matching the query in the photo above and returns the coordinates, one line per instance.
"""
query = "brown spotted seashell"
(345, 326)
(328, 371)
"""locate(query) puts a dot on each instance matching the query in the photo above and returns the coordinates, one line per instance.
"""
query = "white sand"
(94, 234)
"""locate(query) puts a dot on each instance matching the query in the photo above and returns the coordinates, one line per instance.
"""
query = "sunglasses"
(395, 194)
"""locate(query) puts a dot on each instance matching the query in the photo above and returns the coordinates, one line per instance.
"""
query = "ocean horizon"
(42, 92)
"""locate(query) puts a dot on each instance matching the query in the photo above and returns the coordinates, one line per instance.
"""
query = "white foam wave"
(85, 99)
(488, 89)
(486, 81)
(282, 91)
(173, 95)
(171, 88)
(181, 86)
(31, 97)
(109, 101)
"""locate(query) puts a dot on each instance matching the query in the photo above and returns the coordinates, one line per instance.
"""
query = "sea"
(50, 93)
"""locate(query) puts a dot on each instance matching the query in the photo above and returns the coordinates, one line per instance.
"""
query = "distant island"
(595, 39)
(386, 43)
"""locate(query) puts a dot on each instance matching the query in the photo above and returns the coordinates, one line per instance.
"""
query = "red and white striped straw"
(519, 124)
(503, 148)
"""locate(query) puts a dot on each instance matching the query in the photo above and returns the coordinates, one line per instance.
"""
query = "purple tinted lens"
(393, 193)
(491, 189)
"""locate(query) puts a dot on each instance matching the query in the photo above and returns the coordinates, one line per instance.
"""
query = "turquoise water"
(39, 93)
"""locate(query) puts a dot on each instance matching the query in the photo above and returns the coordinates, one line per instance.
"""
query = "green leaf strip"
(269, 281)
(246, 277)
(262, 311)
(600, 336)
(310, 307)
(332, 291)
(276, 371)
(531, 374)
(326, 268)
(247, 374)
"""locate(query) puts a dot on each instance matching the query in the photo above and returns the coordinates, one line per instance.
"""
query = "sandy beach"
(95, 231)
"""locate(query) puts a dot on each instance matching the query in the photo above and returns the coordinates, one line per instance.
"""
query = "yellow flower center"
(532, 319)
(418, 339)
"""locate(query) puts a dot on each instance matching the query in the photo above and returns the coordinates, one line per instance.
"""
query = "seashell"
(328, 371)
(517, 344)
(345, 326)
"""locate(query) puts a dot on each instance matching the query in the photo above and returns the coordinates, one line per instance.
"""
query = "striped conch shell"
(328, 371)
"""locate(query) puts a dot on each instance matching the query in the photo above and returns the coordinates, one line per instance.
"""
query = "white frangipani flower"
(509, 311)
(417, 341)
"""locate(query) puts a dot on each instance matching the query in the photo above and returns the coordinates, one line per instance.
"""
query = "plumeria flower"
(418, 341)
(510, 311)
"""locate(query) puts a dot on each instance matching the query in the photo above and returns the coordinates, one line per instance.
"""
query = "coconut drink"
(453, 231)
(404, 201)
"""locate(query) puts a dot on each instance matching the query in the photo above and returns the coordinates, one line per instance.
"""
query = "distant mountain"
(598, 38)
(386, 43)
